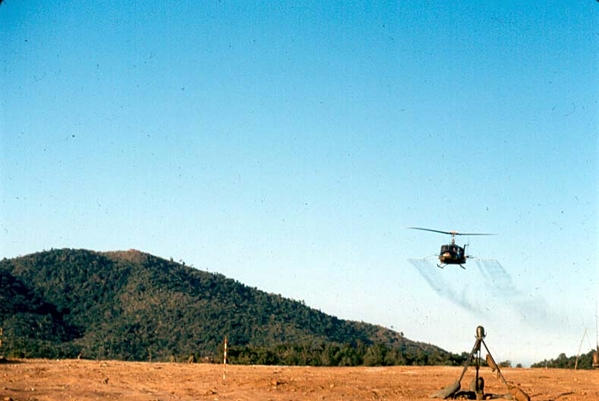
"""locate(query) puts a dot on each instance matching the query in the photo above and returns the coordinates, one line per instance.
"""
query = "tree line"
(318, 354)
(329, 354)
(583, 361)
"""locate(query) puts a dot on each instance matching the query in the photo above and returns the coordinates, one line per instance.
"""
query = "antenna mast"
(595, 362)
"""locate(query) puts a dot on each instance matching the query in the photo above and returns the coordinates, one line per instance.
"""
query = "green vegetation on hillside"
(134, 306)
(585, 361)
(334, 354)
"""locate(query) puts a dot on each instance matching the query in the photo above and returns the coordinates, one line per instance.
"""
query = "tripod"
(477, 387)
(479, 382)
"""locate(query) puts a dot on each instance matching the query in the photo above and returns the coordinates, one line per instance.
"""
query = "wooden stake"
(225, 360)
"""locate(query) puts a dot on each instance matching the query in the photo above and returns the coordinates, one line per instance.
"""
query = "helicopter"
(451, 254)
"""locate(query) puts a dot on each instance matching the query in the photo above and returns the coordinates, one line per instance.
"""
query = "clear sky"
(288, 145)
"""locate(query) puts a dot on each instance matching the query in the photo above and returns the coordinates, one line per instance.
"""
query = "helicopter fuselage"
(452, 254)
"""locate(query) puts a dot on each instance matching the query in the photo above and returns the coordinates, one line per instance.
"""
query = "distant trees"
(328, 354)
(585, 361)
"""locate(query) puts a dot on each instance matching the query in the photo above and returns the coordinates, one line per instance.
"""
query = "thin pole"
(579, 348)
(225, 360)
(595, 362)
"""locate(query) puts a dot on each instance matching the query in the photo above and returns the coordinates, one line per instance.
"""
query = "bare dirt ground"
(30, 380)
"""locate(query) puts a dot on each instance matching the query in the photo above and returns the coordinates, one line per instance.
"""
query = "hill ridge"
(132, 305)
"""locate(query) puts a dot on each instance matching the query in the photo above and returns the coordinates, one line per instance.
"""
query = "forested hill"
(134, 306)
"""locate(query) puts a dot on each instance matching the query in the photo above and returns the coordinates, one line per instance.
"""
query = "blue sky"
(288, 145)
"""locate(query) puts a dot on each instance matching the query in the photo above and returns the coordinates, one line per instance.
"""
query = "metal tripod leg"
(454, 387)
(499, 374)
(475, 349)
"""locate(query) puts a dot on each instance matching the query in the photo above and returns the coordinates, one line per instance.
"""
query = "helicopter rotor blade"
(434, 231)
(446, 232)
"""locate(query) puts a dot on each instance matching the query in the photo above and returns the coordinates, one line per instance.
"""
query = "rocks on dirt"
(518, 394)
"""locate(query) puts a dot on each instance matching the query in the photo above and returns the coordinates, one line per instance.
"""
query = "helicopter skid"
(442, 266)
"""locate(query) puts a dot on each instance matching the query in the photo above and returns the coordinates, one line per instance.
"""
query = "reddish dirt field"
(30, 380)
